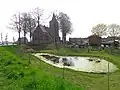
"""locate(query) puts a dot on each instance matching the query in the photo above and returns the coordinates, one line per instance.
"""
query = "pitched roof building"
(78, 41)
(94, 40)
(45, 35)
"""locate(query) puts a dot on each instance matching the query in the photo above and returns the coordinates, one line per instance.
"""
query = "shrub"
(12, 75)
(8, 62)
(21, 74)
(19, 62)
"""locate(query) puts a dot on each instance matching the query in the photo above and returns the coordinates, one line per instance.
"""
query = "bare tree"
(65, 25)
(24, 20)
(31, 25)
(38, 15)
(16, 25)
(114, 31)
(99, 29)
(28, 24)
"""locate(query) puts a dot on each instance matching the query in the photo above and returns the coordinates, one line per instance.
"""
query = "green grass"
(89, 81)
(50, 77)
(16, 73)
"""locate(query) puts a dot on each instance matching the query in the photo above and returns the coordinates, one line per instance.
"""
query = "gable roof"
(43, 28)
(40, 28)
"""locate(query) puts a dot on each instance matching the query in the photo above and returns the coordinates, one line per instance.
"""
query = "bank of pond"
(85, 64)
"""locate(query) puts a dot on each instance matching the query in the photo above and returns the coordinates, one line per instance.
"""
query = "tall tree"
(38, 15)
(99, 29)
(65, 25)
(16, 25)
(24, 20)
(31, 25)
(28, 24)
(114, 31)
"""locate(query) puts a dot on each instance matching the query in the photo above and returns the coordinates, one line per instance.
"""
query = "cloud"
(84, 14)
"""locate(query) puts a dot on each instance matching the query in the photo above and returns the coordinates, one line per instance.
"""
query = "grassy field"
(16, 72)
(89, 81)
(21, 71)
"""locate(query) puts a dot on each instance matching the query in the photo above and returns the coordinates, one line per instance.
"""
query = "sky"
(84, 14)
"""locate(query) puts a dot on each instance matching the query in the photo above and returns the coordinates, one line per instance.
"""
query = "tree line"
(26, 22)
(112, 30)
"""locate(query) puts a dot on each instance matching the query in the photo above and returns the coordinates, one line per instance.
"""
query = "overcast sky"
(84, 14)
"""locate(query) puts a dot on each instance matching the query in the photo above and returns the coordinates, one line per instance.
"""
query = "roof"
(93, 36)
(40, 27)
(43, 28)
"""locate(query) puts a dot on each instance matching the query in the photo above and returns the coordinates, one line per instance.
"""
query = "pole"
(108, 77)
(65, 53)
(19, 29)
(63, 71)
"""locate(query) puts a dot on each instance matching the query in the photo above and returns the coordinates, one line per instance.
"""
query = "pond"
(85, 64)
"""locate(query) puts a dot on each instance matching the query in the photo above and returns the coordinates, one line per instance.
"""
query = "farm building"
(94, 40)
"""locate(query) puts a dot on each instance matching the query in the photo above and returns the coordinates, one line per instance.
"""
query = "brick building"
(46, 35)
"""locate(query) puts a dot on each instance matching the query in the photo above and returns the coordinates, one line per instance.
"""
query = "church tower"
(54, 29)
